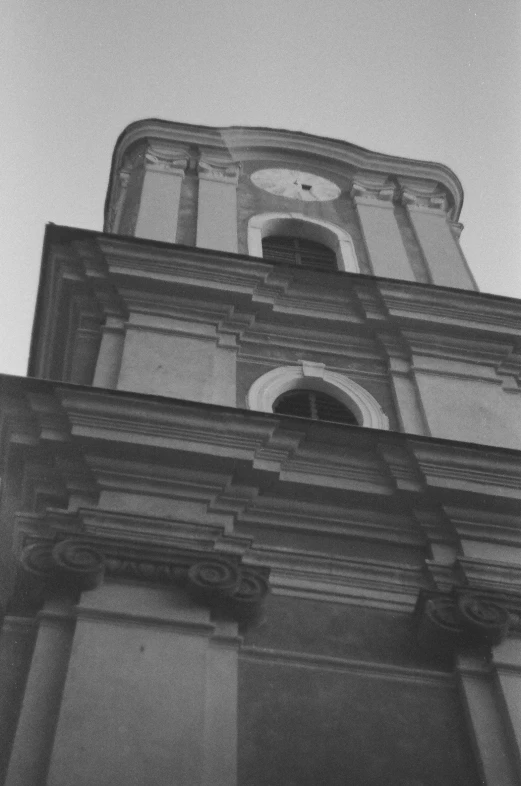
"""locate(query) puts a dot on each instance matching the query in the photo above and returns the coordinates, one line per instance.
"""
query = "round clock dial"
(293, 184)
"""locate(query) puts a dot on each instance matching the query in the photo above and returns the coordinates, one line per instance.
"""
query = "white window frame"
(314, 376)
(296, 224)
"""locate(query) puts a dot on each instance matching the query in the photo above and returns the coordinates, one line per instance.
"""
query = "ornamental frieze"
(222, 584)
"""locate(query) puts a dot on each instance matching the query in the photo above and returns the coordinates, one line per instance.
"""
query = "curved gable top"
(234, 141)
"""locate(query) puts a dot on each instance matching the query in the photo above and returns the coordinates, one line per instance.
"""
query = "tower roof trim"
(234, 139)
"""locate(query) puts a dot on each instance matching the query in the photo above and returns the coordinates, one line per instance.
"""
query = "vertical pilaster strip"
(220, 727)
(161, 192)
(38, 716)
(487, 727)
(507, 662)
(217, 208)
(427, 208)
(16, 645)
(407, 397)
(116, 213)
(373, 197)
(110, 354)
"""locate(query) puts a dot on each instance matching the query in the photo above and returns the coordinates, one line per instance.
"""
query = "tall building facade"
(261, 489)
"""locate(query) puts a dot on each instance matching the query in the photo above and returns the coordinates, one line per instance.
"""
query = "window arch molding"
(296, 224)
(315, 376)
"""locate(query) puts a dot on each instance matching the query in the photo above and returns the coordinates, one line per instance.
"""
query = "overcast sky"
(428, 79)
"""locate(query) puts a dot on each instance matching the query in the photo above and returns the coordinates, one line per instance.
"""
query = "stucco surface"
(180, 366)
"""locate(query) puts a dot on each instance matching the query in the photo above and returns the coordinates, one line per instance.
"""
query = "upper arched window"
(322, 238)
(298, 251)
(314, 405)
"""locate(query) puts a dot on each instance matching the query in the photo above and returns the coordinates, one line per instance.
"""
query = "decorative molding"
(368, 188)
(71, 562)
(274, 383)
(422, 195)
(260, 144)
(226, 586)
(217, 169)
(163, 158)
(462, 618)
(325, 232)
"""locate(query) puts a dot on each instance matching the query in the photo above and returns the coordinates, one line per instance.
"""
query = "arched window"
(273, 227)
(335, 395)
(298, 251)
(314, 405)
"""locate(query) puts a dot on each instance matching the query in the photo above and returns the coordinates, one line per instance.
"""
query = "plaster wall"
(383, 240)
(440, 249)
(139, 701)
(339, 694)
(470, 409)
(159, 206)
(217, 215)
(165, 362)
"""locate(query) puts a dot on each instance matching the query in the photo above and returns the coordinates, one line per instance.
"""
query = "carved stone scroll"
(460, 618)
(230, 589)
(70, 562)
(218, 169)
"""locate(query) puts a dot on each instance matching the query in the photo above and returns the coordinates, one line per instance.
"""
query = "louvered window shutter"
(314, 405)
(298, 251)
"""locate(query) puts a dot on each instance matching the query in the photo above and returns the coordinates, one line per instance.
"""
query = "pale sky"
(427, 79)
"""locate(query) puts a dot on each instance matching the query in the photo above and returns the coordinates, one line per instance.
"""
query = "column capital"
(170, 159)
(71, 562)
(232, 589)
(219, 169)
(422, 194)
(372, 188)
(462, 618)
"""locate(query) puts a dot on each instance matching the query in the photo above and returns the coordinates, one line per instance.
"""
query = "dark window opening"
(298, 251)
(313, 405)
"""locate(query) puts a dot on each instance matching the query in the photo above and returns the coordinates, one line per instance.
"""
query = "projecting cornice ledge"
(69, 418)
(240, 143)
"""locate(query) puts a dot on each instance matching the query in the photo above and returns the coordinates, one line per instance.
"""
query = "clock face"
(293, 184)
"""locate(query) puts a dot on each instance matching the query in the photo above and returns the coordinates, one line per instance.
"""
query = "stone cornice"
(217, 477)
(241, 143)
(104, 276)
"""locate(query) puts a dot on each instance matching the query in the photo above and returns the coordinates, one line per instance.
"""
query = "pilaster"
(374, 196)
(427, 207)
(34, 736)
(481, 632)
(110, 353)
(148, 690)
(507, 662)
(164, 169)
(217, 208)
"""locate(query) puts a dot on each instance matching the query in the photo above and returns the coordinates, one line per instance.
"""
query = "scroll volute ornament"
(234, 590)
(230, 589)
(70, 562)
(460, 618)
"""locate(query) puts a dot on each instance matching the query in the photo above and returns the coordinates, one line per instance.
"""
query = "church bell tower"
(261, 488)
